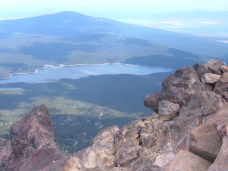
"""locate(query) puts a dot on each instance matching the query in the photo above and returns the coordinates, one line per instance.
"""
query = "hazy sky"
(105, 8)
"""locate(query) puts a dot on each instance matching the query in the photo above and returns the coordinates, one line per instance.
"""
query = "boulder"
(202, 103)
(215, 66)
(187, 161)
(205, 142)
(224, 68)
(164, 159)
(100, 154)
(143, 164)
(221, 164)
(221, 87)
(72, 164)
(167, 110)
(127, 155)
(146, 139)
(105, 139)
(224, 78)
(201, 69)
(180, 86)
(210, 78)
(220, 121)
(151, 101)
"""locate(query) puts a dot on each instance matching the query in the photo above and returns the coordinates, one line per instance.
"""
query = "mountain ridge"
(66, 26)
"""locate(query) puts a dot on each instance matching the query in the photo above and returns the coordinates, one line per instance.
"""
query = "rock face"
(187, 161)
(189, 131)
(167, 110)
(221, 87)
(32, 145)
(210, 78)
(205, 142)
(221, 163)
(151, 101)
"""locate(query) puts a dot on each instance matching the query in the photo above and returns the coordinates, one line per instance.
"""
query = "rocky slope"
(188, 131)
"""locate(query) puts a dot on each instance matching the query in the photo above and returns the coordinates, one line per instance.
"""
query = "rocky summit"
(32, 145)
(186, 131)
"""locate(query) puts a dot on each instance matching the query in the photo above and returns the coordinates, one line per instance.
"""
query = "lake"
(51, 73)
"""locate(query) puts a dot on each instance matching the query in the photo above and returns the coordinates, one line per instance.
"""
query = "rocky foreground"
(187, 132)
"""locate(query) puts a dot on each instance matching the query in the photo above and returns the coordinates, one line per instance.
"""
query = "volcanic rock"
(5, 151)
(205, 142)
(33, 145)
(221, 87)
(189, 133)
(221, 163)
(179, 87)
(210, 78)
(167, 110)
(215, 66)
(186, 161)
(151, 101)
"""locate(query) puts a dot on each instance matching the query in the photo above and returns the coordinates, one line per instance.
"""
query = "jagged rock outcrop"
(189, 131)
(32, 145)
(5, 151)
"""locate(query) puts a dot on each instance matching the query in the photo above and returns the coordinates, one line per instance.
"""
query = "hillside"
(70, 38)
(187, 131)
(71, 23)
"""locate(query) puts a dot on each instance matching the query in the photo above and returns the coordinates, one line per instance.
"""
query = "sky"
(149, 13)
(105, 8)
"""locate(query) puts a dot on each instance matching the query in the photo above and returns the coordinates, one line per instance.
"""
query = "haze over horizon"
(175, 15)
(109, 9)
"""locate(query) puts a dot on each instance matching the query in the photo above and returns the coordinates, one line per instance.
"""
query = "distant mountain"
(175, 59)
(26, 52)
(72, 24)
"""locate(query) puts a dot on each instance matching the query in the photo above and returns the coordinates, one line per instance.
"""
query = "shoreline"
(50, 66)
(58, 66)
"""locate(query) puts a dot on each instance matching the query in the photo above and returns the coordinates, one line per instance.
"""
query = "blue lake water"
(51, 73)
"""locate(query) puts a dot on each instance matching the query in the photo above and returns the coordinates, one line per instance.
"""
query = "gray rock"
(215, 66)
(224, 68)
(210, 78)
(220, 120)
(105, 139)
(33, 143)
(221, 86)
(144, 164)
(179, 87)
(151, 101)
(202, 103)
(205, 142)
(167, 110)
(5, 151)
(191, 116)
(186, 161)
(221, 164)
(127, 155)
(201, 69)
